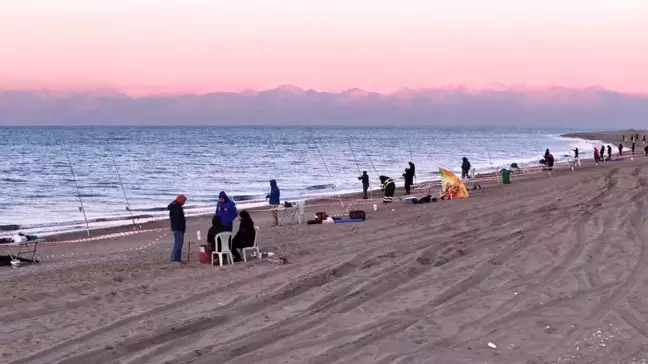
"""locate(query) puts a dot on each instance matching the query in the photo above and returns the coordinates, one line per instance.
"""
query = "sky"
(168, 46)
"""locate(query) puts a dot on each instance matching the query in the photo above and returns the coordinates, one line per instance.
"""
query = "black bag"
(357, 214)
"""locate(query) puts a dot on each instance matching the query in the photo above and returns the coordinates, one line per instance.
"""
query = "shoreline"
(77, 229)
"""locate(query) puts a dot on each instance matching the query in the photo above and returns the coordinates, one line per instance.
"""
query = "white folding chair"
(254, 248)
(299, 210)
(225, 239)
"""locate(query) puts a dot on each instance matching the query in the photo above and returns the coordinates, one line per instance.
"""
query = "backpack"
(357, 214)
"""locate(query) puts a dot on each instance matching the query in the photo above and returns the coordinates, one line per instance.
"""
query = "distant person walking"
(274, 199)
(365, 183)
(178, 226)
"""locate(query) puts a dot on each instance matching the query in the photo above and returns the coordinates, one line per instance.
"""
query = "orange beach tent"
(451, 185)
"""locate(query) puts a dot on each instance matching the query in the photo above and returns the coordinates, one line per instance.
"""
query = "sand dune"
(550, 269)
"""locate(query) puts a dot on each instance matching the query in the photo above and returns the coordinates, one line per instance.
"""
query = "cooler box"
(205, 254)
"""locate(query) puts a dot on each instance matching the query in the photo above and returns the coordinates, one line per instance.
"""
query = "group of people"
(223, 221)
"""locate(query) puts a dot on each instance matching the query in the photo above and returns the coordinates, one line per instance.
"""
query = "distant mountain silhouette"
(291, 105)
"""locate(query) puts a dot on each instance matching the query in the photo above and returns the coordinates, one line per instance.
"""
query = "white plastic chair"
(254, 248)
(225, 239)
(299, 210)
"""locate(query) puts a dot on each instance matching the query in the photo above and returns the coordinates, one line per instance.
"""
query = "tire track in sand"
(606, 304)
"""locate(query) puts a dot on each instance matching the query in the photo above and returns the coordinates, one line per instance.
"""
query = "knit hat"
(181, 199)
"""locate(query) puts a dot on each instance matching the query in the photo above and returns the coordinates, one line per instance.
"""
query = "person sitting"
(226, 210)
(214, 230)
(244, 238)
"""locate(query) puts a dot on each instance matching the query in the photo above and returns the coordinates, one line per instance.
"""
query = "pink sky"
(155, 46)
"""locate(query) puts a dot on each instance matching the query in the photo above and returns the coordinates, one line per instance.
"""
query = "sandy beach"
(549, 269)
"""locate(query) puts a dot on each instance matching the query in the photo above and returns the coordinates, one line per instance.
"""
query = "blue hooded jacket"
(274, 193)
(226, 211)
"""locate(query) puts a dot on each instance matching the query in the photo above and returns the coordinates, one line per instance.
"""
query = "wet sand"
(549, 269)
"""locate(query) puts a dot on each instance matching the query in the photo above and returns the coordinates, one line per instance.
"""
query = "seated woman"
(214, 230)
(244, 237)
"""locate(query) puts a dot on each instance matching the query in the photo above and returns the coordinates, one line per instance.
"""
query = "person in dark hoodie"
(602, 150)
(546, 155)
(465, 168)
(632, 148)
(226, 211)
(576, 153)
(620, 149)
(274, 199)
(365, 183)
(413, 169)
(409, 180)
(609, 149)
(244, 238)
(214, 230)
(178, 226)
(387, 185)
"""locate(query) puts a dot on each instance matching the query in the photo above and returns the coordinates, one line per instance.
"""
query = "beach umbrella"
(452, 185)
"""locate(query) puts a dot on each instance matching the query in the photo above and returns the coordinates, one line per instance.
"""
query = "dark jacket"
(226, 211)
(412, 168)
(609, 148)
(465, 165)
(246, 233)
(385, 182)
(409, 177)
(214, 230)
(365, 179)
(275, 194)
(177, 217)
(576, 153)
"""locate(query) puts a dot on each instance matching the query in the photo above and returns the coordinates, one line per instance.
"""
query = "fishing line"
(76, 185)
(370, 161)
(327, 169)
(358, 165)
(128, 207)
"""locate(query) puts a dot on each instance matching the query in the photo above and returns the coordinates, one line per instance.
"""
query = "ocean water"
(44, 170)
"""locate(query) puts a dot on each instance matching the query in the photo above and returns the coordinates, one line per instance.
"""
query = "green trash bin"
(506, 176)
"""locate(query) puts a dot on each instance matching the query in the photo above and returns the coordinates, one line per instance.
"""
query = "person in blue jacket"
(226, 211)
(274, 200)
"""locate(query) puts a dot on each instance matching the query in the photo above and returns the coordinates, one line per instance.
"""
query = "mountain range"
(290, 105)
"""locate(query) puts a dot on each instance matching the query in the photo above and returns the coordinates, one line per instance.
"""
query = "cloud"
(291, 105)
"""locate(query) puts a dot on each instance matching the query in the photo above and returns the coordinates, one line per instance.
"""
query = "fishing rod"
(76, 185)
(327, 170)
(370, 161)
(358, 165)
(128, 208)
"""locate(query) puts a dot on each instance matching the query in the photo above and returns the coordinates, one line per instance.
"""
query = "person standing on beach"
(576, 153)
(178, 226)
(365, 183)
(226, 211)
(602, 153)
(389, 187)
(409, 180)
(274, 200)
(620, 149)
(609, 148)
(597, 156)
(632, 148)
(465, 168)
(413, 169)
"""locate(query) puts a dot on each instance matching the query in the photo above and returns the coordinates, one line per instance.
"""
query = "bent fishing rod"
(76, 185)
(128, 208)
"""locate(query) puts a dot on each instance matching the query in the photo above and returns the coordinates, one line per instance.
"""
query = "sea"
(51, 176)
